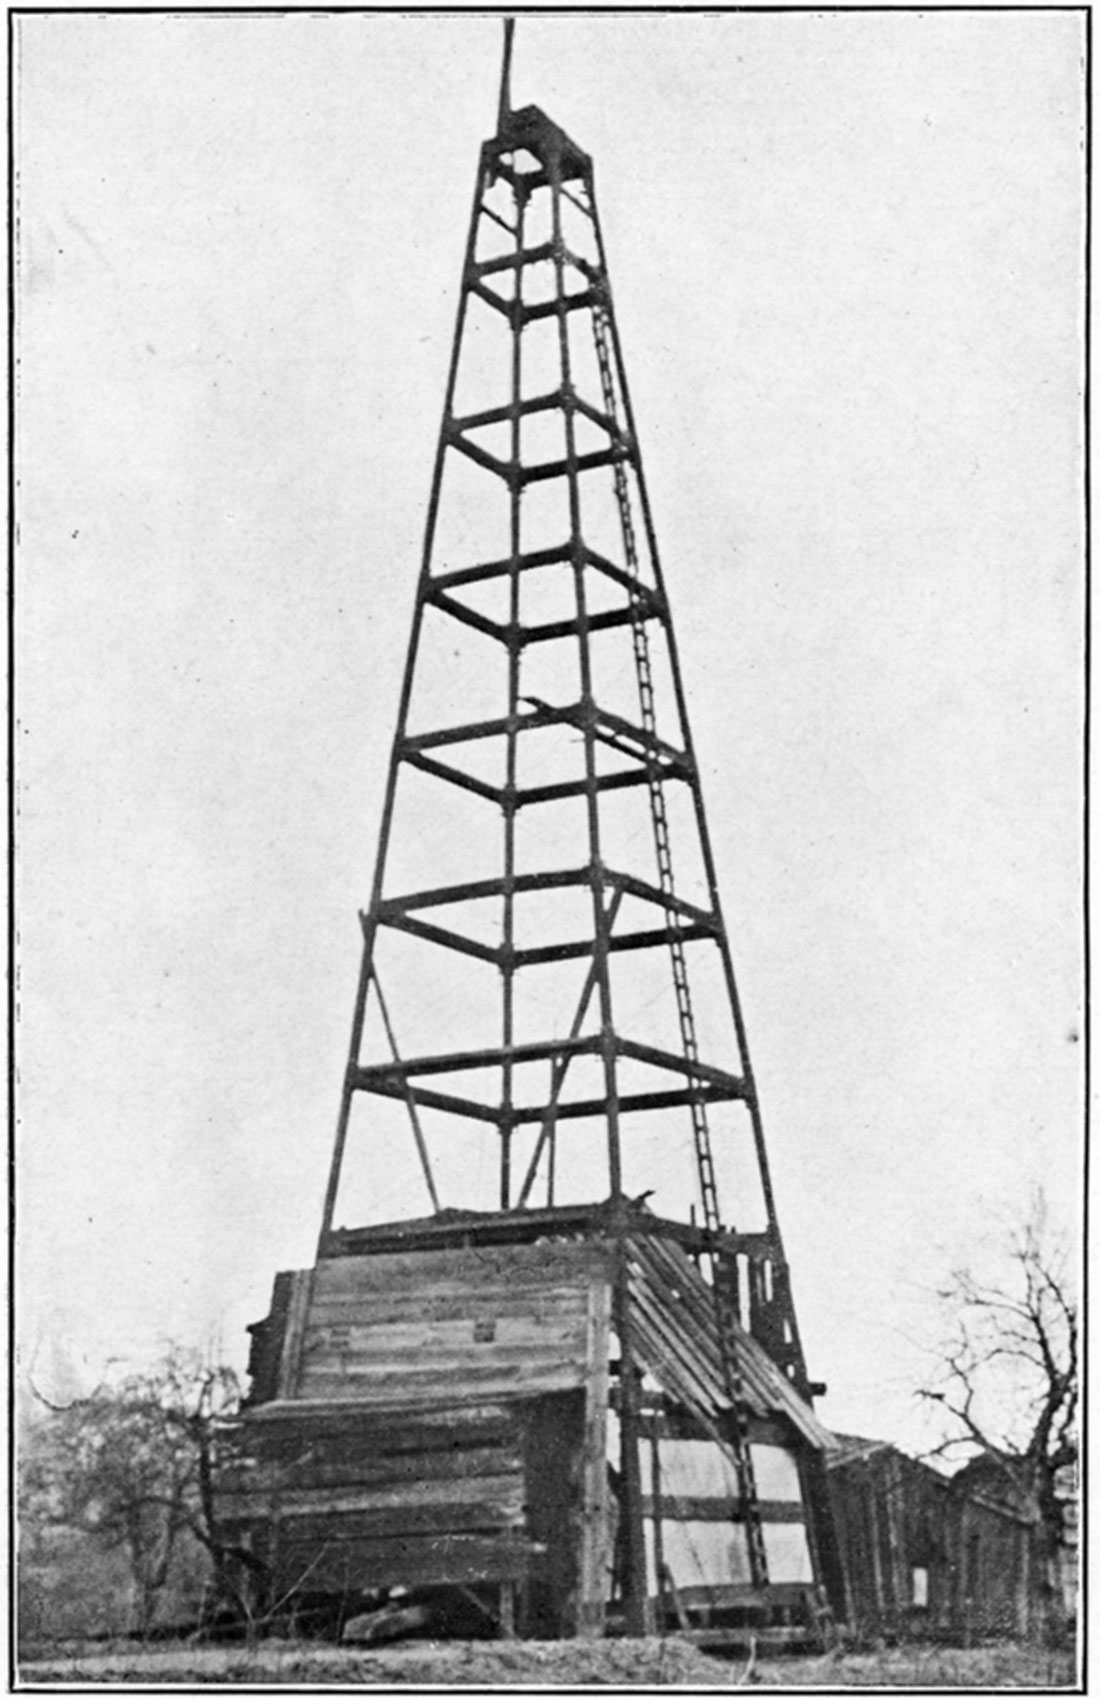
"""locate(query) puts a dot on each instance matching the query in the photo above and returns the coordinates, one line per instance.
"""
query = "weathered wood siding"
(370, 1499)
(442, 1416)
(923, 1553)
(676, 1336)
(425, 1418)
(447, 1325)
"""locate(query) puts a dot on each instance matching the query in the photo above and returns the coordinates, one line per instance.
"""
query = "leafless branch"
(1006, 1385)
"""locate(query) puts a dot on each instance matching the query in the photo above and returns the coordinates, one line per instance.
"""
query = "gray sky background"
(846, 251)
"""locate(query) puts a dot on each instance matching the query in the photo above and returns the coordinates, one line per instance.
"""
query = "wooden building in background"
(925, 1554)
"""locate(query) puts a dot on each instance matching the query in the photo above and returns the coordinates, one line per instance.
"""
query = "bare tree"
(134, 1465)
(1006, 1378)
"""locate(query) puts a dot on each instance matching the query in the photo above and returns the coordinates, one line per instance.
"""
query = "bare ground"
(553, 1664)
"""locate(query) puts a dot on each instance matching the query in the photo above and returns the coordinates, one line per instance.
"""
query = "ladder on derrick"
(723, 1297)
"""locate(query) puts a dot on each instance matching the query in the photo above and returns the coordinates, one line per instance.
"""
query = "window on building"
(920, 1585)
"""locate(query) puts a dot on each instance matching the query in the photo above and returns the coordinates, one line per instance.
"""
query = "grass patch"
(1002, 1665)
(551, 1664)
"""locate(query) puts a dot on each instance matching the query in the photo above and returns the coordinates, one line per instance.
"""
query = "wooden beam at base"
(408, 1562)
(681, 1508)
(593, 1555)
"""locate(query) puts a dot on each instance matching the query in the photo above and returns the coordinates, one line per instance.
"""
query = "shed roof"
(857, 1449)
(675, 1333)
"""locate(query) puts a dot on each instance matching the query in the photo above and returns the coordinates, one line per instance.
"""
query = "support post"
(639, 1617)
(658, 1536)
(593, 1556)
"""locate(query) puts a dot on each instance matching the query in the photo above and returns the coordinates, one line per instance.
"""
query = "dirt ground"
(551, 1664)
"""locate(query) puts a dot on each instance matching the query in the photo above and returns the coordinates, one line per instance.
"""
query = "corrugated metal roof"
(675, 1334)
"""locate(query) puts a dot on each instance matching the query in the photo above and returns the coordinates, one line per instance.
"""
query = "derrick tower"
(564, 923)
(549, 1089)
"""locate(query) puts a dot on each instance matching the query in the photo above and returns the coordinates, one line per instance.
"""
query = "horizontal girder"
(564, 788)
(497, 569)
(519, 635)
(645, 595)
(455, 776)
(568, 400)
(501, 886)
(608, 728)
(549, 1050)
(519, 313)
(536, 256)
(645, 940)
(557, 792)
(564, 951)
(392, 1083)
(515, 473)
(454, 1062)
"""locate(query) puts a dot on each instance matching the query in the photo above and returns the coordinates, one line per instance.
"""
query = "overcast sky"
(846, 255)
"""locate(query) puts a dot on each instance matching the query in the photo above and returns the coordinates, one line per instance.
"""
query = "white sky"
(846, 255)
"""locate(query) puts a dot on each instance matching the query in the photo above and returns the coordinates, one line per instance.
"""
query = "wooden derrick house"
(440, 1404)
(544, 1403)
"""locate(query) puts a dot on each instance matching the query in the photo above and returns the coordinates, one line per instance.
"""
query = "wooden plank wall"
(895, 1516)
(437, 1417)
(266, 1347)
(995, 1568)
(553, 1475)
(442, 1416)
(454, 1325)
(375, 1499)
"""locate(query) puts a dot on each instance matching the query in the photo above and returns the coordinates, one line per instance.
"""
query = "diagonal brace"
(561, 1066)
(418, 1132)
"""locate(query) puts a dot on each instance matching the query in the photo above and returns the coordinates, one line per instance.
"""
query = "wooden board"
(322, 1467)
(413, 1309)
(406, 1561)
(457, 1325)
(438, 1496)
(505, 1265)
(679, 1508)
(594, 1558)
(297, 1312)
(676, 1337)
(410, 1424)
(523, 1380)
(441, 1522)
